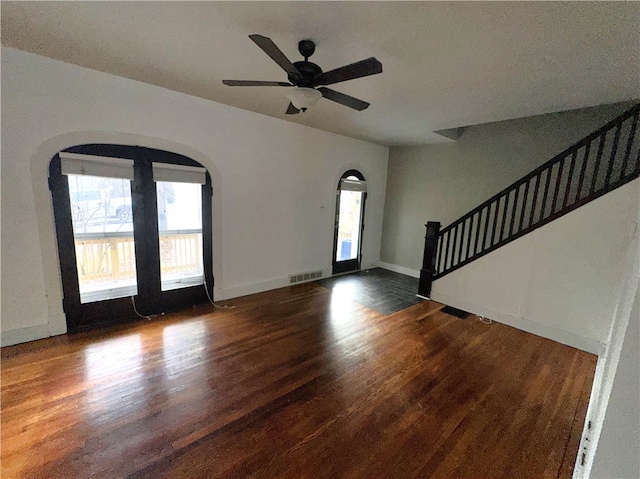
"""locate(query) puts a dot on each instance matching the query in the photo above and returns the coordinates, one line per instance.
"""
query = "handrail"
(591, 167)
(563, 154)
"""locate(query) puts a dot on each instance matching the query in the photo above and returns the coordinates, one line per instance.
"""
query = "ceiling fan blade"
(255, 83)
(292, 110)
(343, 99)
(276, 54)
(360, 69)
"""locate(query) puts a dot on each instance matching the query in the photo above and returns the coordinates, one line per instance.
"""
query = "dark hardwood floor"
(379, 289)
(295, 383)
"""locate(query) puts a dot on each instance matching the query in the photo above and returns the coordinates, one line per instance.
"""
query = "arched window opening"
(133, 227)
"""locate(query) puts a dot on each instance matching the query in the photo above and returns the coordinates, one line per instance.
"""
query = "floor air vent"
(298, 278)
(458, 313)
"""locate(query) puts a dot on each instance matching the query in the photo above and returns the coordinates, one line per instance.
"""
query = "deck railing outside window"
(106, 261)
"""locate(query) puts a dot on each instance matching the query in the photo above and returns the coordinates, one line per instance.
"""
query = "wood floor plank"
(298, 382)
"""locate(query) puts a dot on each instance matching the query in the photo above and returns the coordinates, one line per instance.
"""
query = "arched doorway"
(351, 196)
(132, 224)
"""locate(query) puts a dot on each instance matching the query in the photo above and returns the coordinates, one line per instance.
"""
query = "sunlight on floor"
(182, 347)
(114, 374)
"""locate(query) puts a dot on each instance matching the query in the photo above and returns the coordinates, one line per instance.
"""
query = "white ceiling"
(446, 64)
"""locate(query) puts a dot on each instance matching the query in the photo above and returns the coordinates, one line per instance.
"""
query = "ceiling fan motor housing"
(308, 70)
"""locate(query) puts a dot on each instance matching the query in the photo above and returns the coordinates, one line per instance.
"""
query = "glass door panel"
(350, 206)
(133, 228)
(180, 234)
(103, 237)
(349, 226)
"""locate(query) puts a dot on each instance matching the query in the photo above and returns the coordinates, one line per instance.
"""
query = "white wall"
(612, 444)
(560, 281)
(617, 451)
(274, 181)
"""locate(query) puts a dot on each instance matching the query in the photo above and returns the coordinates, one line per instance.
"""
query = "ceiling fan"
(306, 76)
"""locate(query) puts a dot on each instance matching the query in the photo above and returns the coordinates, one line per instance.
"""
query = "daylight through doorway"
(350, 202)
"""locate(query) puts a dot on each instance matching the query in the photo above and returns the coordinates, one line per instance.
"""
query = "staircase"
(599, 163)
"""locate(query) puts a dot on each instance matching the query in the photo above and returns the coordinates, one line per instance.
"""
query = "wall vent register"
(297, 278)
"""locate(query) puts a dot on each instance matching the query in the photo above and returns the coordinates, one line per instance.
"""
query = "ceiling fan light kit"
(303, 98)
(306, 76)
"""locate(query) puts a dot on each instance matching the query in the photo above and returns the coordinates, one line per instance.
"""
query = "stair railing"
(599, 163)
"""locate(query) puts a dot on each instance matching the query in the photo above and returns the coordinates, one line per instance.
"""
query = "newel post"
(429, 259)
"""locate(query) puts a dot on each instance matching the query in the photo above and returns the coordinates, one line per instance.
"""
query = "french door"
(349, 226)
(133, 228)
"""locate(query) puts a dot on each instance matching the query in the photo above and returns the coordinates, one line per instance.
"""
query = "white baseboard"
(268, 285)
(252, 288)
(40, 331)
(32, 333)
(260, 287)
(549, 332)
(399, 269)
(369, 265)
